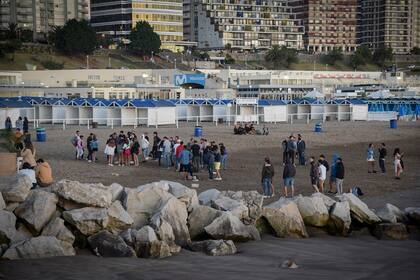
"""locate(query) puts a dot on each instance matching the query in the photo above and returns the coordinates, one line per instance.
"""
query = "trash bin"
(41, 135)
(198, 131)
(393, 124)
(318, 127)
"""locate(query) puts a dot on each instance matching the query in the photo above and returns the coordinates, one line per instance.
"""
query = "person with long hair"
(370, 158)
(28, 154)
(397, 163)
(110, 150)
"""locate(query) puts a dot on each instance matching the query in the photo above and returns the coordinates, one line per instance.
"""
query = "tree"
(75, 37)
(281, 57)
(143, 40)
(361, 56)
(382, 55)
(332, 57)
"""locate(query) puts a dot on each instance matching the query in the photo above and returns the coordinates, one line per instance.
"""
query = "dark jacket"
(325, 163)
(267, 172)
(382, 153)
(301, 146)
(211, 156)
(314, 170)
(339, 170)
(289, 171)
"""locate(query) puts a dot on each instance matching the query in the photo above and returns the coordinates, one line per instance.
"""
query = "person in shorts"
(185, 159)
(289, 173)
(217, 162)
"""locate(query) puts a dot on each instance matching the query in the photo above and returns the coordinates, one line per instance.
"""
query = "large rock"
(391, 214)
(57, 228)
(22, 234)
(253, 200)
(68, 204)
(88, 220)
(285, 219)
(128, 236)
(96, 195)
(313, 211)
(165, 233)
(359, 210)
(2, 202)
(37, 209)
(119, 219)
(11, 206)
(396, 231)
(160, 186)
(200, 217)
(237, 208)
(147, 244)
(206, 197)
(328, 201)
(116, 191)
(229, 227)
(145, 234)
(18, 189)
(215, 247)
(175, 213)
(106, 244)
(7, 226)
(413, 213)
(184, 194)
(340, 219)
(38, 247)
(142, 205)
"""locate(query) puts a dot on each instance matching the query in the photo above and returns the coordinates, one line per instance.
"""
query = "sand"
(320, 257)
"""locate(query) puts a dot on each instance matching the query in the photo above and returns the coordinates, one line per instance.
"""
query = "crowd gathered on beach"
(190, 157)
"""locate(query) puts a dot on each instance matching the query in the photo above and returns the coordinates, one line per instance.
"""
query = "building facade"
(241, 24)
(41, 15)
(388, 23)
(117, 18)
(329, 24)
(416, 24)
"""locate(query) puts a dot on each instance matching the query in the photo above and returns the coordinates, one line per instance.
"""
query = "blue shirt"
(185, 157)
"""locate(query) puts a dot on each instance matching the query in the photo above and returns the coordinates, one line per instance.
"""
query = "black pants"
(291, 156)
(382, 165)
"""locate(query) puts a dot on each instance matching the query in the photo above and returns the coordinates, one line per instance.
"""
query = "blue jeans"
(302, 158)
(267, 187)
(223, 161)
(210, 168)
(167, 159)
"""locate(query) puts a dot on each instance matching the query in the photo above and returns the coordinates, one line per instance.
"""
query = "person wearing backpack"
(94, 145)
(339, 175)
(267, 175)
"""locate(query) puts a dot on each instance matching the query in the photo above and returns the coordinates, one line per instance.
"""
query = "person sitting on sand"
(236, 129)
(314, 174)
(43, 173)
(28, 154)
(267, 175)
(27, 170)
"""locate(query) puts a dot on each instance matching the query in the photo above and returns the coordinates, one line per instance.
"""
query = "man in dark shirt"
(156, 141)
(339, 167)
(301, 147)
(382, 156)
(195, 149)
(289, 173)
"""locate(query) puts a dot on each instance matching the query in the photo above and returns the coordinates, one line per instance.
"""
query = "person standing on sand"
(25, 125)
(301, 147)
(314, 174)
(74, 140)
(209, 159)
(382, 156)
(217, 162)
(156, 141)
(119, 148)
(289, 173)
(195, 149)
(285, 151)
(185, 160)
(80, 148)
(88, 140)
(370, 158)
(333, 178)
(339, 169)
(110, 150)
(19, 123)
(292, 148)
(397, 163)
(224, 156)
(322, 171)
(267, 175)
(8, 124)
(94, 146)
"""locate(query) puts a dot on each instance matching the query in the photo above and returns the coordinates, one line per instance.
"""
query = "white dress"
(109, 151)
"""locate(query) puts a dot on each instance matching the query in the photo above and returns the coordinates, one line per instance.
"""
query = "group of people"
(295, 149)
(249, 128)
(382, 151)
(127, 149)
(20, 124)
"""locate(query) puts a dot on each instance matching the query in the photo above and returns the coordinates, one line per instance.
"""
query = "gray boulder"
(18, 189)
(229, 227)
(206, 197)
(253, 200)
(22, 234)
(38, 247)
(340, 219)
(328, 201)
(11, 206)
(128, 236)
(165, 233)
(413, 213)
(116, 191)
(96, 195)
(313, 211)
(37, 209)
(88, 220)
(7, 226)
(119, 219)
(359, 210)
(237, 208)
(145, 234)
(160, 186)
(57, 228)
(200, 217)
(68, 204)
(395, 231)
(2, 202)
(215, 247)
(285, 219)
(391, 214)
(147, 245)
(184, 194)
(106, 244)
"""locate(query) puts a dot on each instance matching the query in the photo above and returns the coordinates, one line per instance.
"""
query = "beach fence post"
(157, 117)
(112, 123)
(291, 118)
(197, 120)
(64, 125)
(307, 118)
(88, 127)
(176, 121)
(323, 117)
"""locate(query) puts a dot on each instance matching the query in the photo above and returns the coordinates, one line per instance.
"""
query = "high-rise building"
(416, 24)
(329, 24)
(41, 15)
(241, 24)
(387, 23)
(117, 18)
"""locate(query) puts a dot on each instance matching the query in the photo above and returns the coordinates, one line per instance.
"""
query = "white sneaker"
(89, 161)
(218, 179)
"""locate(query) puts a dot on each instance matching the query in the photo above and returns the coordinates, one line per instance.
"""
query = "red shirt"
(179, 150)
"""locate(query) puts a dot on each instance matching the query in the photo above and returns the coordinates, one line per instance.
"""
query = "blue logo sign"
(182, 79)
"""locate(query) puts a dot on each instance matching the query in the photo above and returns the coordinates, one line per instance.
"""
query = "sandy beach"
(319, 257)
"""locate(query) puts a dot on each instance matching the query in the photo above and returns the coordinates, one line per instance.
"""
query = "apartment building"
(329, 24)
(241, 24)
(117, 18)
(41, 15)
(416, 24)
(389, 23)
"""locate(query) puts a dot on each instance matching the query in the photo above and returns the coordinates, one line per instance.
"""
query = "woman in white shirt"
(397, 163)
(322, 175)
(27, 170)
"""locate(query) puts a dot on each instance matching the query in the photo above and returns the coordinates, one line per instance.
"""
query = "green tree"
(75, 37)
(281, 57)
(382, 55)
(361, 56)
(332, 57)
(229, 59)
(143, 40)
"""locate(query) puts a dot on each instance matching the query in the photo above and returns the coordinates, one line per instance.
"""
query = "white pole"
(88, 127)
(307, 118)
(112, 123)
(156, 125)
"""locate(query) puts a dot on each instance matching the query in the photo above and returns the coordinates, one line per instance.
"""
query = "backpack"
(73, 141)
(356, 191)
